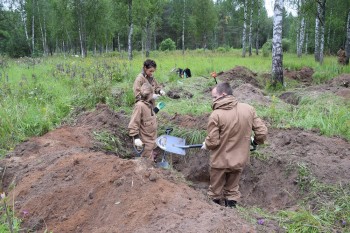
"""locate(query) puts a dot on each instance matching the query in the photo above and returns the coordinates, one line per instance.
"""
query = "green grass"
(328, 113)
(36, 95)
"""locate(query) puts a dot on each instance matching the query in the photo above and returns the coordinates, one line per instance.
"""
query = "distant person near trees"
(146, 76)
(230, 126)
(341, 56)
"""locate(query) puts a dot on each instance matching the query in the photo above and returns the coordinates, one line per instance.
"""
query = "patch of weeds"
(8, 221)
(107, 141)
(192, 136)
(259, 155)
(304, 179)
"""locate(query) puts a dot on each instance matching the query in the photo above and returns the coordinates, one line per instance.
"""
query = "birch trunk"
(131, 29)
(81, 29)
(118, 43)
(257, 31)
(183, 27)
(306, 42)
(301, 31)
(250, 28)
(33, 31)
(277, 52)
(244, 35)
(42, 30)
(148, 38)
(301, 37)
(24, 21)
(347, 45)
(317, 34)
(322, 28)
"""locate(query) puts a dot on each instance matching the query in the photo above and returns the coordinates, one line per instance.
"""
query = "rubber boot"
(230, 203)
(216, 201)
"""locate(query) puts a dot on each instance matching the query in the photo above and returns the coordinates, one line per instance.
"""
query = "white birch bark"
(118, 42)
(250, 28)
(42, 30)
(33, 31)
(24, 21)
(148, 38)
(306, 42)
(183, 27)
(317, 34)
(131, 29)
(347, 45)
(244, 34)
(257, 30)
(301, 30)
(323, 26)
(301, 37)
(277, 52)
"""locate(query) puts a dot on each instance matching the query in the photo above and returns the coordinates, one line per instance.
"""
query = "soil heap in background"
(304, 75)
(238, 76)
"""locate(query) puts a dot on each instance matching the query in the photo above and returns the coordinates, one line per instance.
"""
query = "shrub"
(167, 44)
(266, 48)
(285, 44)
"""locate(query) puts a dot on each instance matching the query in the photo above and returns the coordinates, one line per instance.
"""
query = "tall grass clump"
(326, 112)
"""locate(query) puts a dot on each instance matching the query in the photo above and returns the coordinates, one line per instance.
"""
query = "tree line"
(45, 27)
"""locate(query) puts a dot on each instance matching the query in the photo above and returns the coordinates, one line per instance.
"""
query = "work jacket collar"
(226, 102)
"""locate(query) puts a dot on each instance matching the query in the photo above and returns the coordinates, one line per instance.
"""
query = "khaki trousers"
(224, 182)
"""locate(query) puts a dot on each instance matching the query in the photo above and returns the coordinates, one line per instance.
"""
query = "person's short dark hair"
(150, 63)
(341, 47)
(224, 88)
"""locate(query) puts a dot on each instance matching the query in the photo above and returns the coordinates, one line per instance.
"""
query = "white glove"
(162, 93)
(204, 147)
(138, 142)
(155, 96)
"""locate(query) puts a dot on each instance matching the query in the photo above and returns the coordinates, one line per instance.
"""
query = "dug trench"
(68, 181)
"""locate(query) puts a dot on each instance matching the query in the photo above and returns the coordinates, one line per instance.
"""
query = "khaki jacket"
(141, 79)
(229, 130)
(143, 123)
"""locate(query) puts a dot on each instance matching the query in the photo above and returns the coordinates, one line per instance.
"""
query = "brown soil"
(339, 86)
(60, 182)
(65, 181)
(238, 76)
(304, 75)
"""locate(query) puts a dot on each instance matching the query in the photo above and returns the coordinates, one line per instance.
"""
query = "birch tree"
(301, 30)
(244, 34)
(320, 30)
(250, 40)
(317, 34)
(277, 52)
(323, 25)
(257, 29)
(183, 27)
(347, 45)
(131, 29)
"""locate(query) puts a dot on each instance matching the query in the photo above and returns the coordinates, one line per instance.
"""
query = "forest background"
(46, 27)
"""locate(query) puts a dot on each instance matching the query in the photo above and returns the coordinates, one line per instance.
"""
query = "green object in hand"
(160, 105)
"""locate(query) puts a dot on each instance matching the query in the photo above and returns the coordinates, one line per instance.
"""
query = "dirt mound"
(184, 121)
(178, 93)
(287, 152)
(238, 76)
(304, 75)
(342, 80)
(247, 93)
(60, 183)
(339, 86)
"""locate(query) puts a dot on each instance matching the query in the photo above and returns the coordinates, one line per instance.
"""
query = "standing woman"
(146, 76)
(143, 123)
